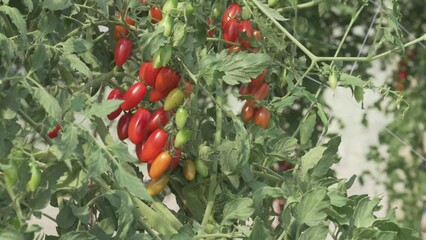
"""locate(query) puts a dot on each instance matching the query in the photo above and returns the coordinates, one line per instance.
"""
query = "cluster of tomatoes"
(242, 32)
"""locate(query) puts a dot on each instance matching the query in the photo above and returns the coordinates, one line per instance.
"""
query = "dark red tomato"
(154, 145)
(158, 119)
(167, 79)
(156, 15)
(137, 126)
(261, 92)
(247, 112)
(133, 96)
(160, 165)
(123, 126)
(230, 30)
(177, 154)
(138, 150)
(284, 166)
(233, 49)
(257, 34)
(257, 82)
(148, 73)
(120, 31)
(402, 75)
(245, 28)
(244, 90)
(262, 117)
(156, 95)
(115, 94)
(122, 51)
(232, 12)
(54, 133)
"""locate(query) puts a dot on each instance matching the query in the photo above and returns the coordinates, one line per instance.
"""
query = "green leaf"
(373, 234)
(318, 232)
(78, 102)
(132, 184)
(311, 159)
(363, 214)
(265, 193)
(49, 103)
(39, 57)
(184, 233)
(337, 198)
(150, 42)
(121, 152)
(57, 4)
(124, 210)
(82, 213)
(259, 231)
(103, 108)
(328, 159)
(307, 129)
(29, 4)
(97, 163)
(284, 146)
(65, 218)
(76, 45)
(69, 141)
(179, 34)
(16, 18)
(278, 104)
(78, 235)
(77, 64)
(323, 117)
(311, 209)
(349, 80)
(271, 12)
(238, 209)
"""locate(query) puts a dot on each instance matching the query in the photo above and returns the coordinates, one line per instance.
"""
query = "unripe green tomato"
(162, 56)
(34, 181)
(181, 117)
(273, 3)
(167, 24)
(174, 99)
(245, 13)
(10, 175)
(332, 80)
(189, 170)
(182, 137)
(189, 9)
(217, 9)
(358, 94)
(168, 6)
(201, 168)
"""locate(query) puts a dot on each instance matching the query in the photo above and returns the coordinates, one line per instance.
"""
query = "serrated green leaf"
(311, 209)
(238, 209)
(39, 57)
(259, 230)
(49, 103)
(278, 104)
(103, 108)
(179, 34)
(122, 153)
(307, 129)
(363, 214)
(97, 163)
(150, 43)
(373, 234)
(314, 233)
(271, 12)
(82, 213)
(284, 146)
(132, 184)
(349, 80)
(184, 233)
(17, 19)
(311, 159)
(78, 102)
(69, 140)
(78, 65)
(29, 4)
(76, 45)
(328, 159)
(57, 4)
(323, 117)
(265, 193)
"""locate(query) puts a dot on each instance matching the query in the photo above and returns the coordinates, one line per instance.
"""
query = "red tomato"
(130, 21)
(261, 92)
(158, 119)
(122, 51)
(187, 88)
(230, 30)
(120, 31)
(137, 126)
(232, 12)
(148, 73)
(210, 32)
(167, 79)
(258, 81)
(176, 158)
(245, 27)
(123, 126)
(247, 112)
(133, 96)
(115, 94)
(154, 145)
(160, 165)
(262, 117)
(156, 15)
(402, 74)
(54, 133)
(257, 34)
(156, 95)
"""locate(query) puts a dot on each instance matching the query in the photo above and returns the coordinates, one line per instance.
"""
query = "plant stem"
(102, 78)
(82, 27)
(307, 113)
(300, 6)
(221, 235)
(34, 125)
(222, 40)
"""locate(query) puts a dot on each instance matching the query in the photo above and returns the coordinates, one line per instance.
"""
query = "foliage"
(57, 64)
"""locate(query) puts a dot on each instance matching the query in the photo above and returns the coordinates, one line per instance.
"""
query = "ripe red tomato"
(115, 94)
(158, 119)
(258, 81)
(54, 133)
(130, 21)
(120, 31)
(230, 30)
(148, 73)
(123, 126)
(247, 112)
(156, 95)
(156, 15)
(232, 12)
(177, 154)
(262, 117)
(167, 79)
(137, 127)
(245, 27)
(122, 51)
(257, 34)
(261, 92)
(160, 165)
(157, 185)
(154, 145)
(133, 96)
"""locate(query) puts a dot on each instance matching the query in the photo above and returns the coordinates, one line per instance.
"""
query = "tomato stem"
(299, 6)
(34, 125)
